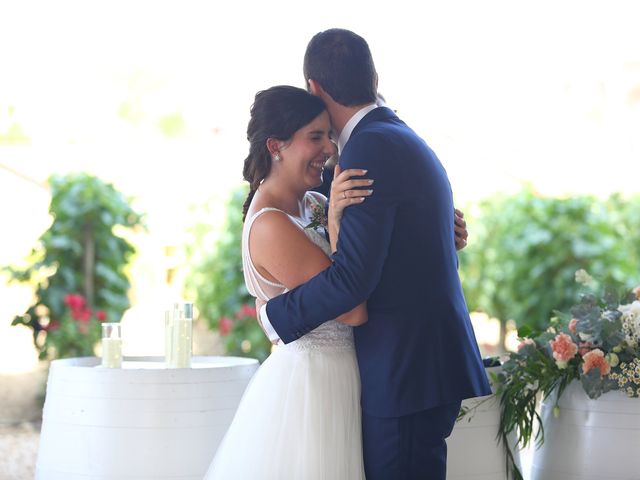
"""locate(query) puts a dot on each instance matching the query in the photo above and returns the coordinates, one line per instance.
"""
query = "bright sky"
(504, 91)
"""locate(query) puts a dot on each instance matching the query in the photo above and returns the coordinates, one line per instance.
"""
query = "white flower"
(631, 322)
(583, 277)
(585, 337)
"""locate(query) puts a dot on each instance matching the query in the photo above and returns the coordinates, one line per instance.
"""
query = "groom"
(417, 354)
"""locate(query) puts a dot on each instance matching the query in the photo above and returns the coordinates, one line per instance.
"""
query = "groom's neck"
(341, 114)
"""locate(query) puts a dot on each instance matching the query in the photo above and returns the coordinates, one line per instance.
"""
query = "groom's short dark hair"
(341, 62)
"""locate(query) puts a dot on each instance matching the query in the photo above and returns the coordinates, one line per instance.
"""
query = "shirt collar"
(351, 124)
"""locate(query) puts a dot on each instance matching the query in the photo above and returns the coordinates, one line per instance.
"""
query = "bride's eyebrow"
(318, 132)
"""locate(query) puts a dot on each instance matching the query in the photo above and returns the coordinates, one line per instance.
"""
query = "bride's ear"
(274, 146)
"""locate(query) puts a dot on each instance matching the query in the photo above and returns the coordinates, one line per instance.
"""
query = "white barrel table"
(473, 451)
(590, 439)
(142, 421)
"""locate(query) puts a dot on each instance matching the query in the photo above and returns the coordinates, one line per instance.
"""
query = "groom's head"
(341, 63)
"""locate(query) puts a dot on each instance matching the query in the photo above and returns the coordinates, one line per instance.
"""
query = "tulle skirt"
(299, 419)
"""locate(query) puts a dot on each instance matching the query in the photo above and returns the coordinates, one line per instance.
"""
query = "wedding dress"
(299, 418)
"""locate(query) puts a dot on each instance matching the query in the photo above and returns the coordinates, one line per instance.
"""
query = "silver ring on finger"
(344, 194)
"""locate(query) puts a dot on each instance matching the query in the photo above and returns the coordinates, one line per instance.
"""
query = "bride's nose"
(329, 147)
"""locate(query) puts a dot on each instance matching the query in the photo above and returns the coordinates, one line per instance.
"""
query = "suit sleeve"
(365, 236)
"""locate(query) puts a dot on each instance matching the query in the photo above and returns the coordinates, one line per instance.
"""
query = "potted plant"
(584, 358)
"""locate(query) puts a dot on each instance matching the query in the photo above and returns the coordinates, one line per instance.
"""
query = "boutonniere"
(318, 217)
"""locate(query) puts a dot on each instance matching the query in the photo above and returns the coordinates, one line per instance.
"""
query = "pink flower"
(225, 325)
(595, 359)
(246, 311)
(101, 315)
(563, 349)
(572, 325)
(83, 315)
(74, 301)
(525, 342)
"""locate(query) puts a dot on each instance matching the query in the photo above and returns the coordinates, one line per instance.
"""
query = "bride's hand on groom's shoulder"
(346, 190)
(460, 229)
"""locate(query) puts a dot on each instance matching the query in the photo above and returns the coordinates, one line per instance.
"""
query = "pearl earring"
(276, 157)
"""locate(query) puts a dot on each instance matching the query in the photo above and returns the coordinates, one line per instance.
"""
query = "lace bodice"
(331, 334)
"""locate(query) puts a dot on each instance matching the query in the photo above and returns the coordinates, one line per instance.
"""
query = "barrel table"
(142, 421)
(590, 439)
(473, 449)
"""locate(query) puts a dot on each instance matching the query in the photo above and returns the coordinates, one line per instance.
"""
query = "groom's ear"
(315, 88)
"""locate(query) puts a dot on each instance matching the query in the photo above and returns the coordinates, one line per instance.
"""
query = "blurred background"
(533, 108)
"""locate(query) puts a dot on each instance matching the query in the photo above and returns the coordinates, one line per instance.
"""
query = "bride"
(300, 415)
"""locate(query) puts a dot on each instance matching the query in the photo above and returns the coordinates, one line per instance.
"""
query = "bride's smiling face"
(309, 149)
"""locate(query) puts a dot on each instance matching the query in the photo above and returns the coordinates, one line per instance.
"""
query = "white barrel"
(143, 421)
(591, 439)
(473, 450)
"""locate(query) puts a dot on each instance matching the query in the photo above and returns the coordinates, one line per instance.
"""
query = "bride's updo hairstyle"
(277, 113)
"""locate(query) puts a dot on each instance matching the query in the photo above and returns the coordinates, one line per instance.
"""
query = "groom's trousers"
(410, 447)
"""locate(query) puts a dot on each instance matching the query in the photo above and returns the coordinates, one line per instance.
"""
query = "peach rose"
(595, 359)
(572, 325)
(563, 349)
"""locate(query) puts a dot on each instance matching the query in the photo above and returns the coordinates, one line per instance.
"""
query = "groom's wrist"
(266, 325)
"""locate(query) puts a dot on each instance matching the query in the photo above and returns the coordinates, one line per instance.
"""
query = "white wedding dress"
(299, 418)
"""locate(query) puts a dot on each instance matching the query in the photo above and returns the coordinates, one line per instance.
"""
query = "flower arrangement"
(597, 343)
(75, 333)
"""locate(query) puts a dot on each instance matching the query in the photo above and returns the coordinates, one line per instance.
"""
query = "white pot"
(473, 451)
(591, 439)
(142, 421)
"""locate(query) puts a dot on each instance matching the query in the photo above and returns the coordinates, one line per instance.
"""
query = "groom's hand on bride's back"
(460, 229)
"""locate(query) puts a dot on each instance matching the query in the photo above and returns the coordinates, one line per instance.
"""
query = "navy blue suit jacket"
(397, 251)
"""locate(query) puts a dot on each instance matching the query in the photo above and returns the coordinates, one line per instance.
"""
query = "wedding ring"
(344, 194)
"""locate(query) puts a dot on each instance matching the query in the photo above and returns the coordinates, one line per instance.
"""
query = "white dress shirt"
(342, 141)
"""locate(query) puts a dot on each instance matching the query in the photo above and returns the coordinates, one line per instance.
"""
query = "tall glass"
(178, 335)
(111, 345)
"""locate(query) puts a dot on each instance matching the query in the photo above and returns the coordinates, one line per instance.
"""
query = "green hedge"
(524, 250)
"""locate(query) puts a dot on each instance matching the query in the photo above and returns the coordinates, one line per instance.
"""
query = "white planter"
(591, 439)
(142, 421)
(473, 449)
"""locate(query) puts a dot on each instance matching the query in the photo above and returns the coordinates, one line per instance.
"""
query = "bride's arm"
(346, 191)
(283, 253)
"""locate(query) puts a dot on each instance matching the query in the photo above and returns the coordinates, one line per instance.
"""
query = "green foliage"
(80, 252)
(217, 282)
(525, 249)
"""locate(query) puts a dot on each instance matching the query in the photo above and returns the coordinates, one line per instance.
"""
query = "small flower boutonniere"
(318, 217)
